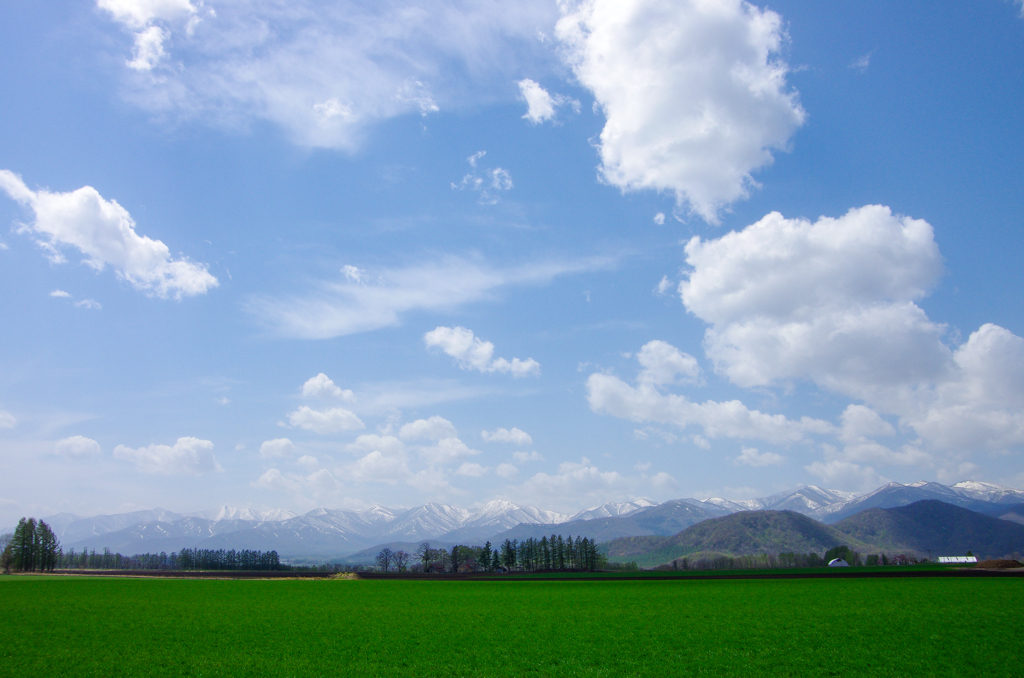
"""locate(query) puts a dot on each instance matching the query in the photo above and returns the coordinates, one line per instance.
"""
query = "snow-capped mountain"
(612, 509)
(806, 499)
(969, 494)
(234, 513)
(332, 532)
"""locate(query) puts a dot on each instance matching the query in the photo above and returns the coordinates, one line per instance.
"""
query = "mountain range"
(928, 527)
(331, 533)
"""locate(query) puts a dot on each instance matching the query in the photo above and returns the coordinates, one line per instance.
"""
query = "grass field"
(53, 626)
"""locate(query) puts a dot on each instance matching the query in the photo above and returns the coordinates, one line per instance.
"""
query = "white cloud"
(607, 394)
(149, 48)
(749, 456)
(659, 218)
(333, 420)
(506, 471)
(371, 442)
(488, 184)
(434, 428)
(325, 72)
(223, 400)
(279, 447)
(831, 301)
(273, 479)
(61, 294)
(77, 447)
(582, 483)
(378, 467)
(694, 93)
(321, 386)
(472, 353)
(104, 232)
(140, 13)
(861, 63)
(527, 456)
(446, 451)
(665, 364)
(189, 456)
(354, 274)
(307, 462)
(470, 469)
(504, 435)
(844, 475)
(90, 304)
(343, 308)
(860, 423)
(541, 106)
(7, 420)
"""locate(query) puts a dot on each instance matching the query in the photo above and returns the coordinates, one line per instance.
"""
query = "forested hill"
(936, 526)
(746, 533)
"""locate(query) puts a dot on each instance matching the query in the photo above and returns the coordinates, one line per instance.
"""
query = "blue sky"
(560, 254)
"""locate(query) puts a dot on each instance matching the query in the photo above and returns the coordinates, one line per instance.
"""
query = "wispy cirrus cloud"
(346, 306)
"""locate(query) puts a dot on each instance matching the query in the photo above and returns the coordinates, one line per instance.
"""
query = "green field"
(53, 626)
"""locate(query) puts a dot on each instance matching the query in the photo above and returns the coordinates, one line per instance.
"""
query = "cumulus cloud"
(845, 475)
(325, 73)
(188, 456)
(308, 462)
(77, 447)
(321, 386)
(371, 442)
(90, 304)
(434, 428)
(470, 469)
(7, 420)
(504, 435)
(348, 307)
(279, 447)
(61, 294)
(104, 233)
(833, 302)
(861, 64)
(471, 353)
(694, 93)
(379, 467)
(332, 420)
(273, 479)
(541, 105)
(527, 456)
(749, 456)
(665, 364)
(645, 402)
(582, 483)
(446, 451)
(506, 471)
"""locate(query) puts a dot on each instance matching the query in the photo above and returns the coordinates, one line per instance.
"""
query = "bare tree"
(401, 560)
(425, 554)
(385, 558)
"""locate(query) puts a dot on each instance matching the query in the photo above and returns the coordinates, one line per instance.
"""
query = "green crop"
(139, 627)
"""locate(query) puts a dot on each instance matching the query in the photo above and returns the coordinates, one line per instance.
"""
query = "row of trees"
(33, 547)
(529, 555)
(786, 560)
(186, 559)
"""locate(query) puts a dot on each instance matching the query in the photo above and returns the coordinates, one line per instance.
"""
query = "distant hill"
(663, 519)
(938, 527)
(971, 495)
(744, 533)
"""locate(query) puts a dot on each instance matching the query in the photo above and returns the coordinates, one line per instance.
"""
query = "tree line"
(33, 547)
(530, 555)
